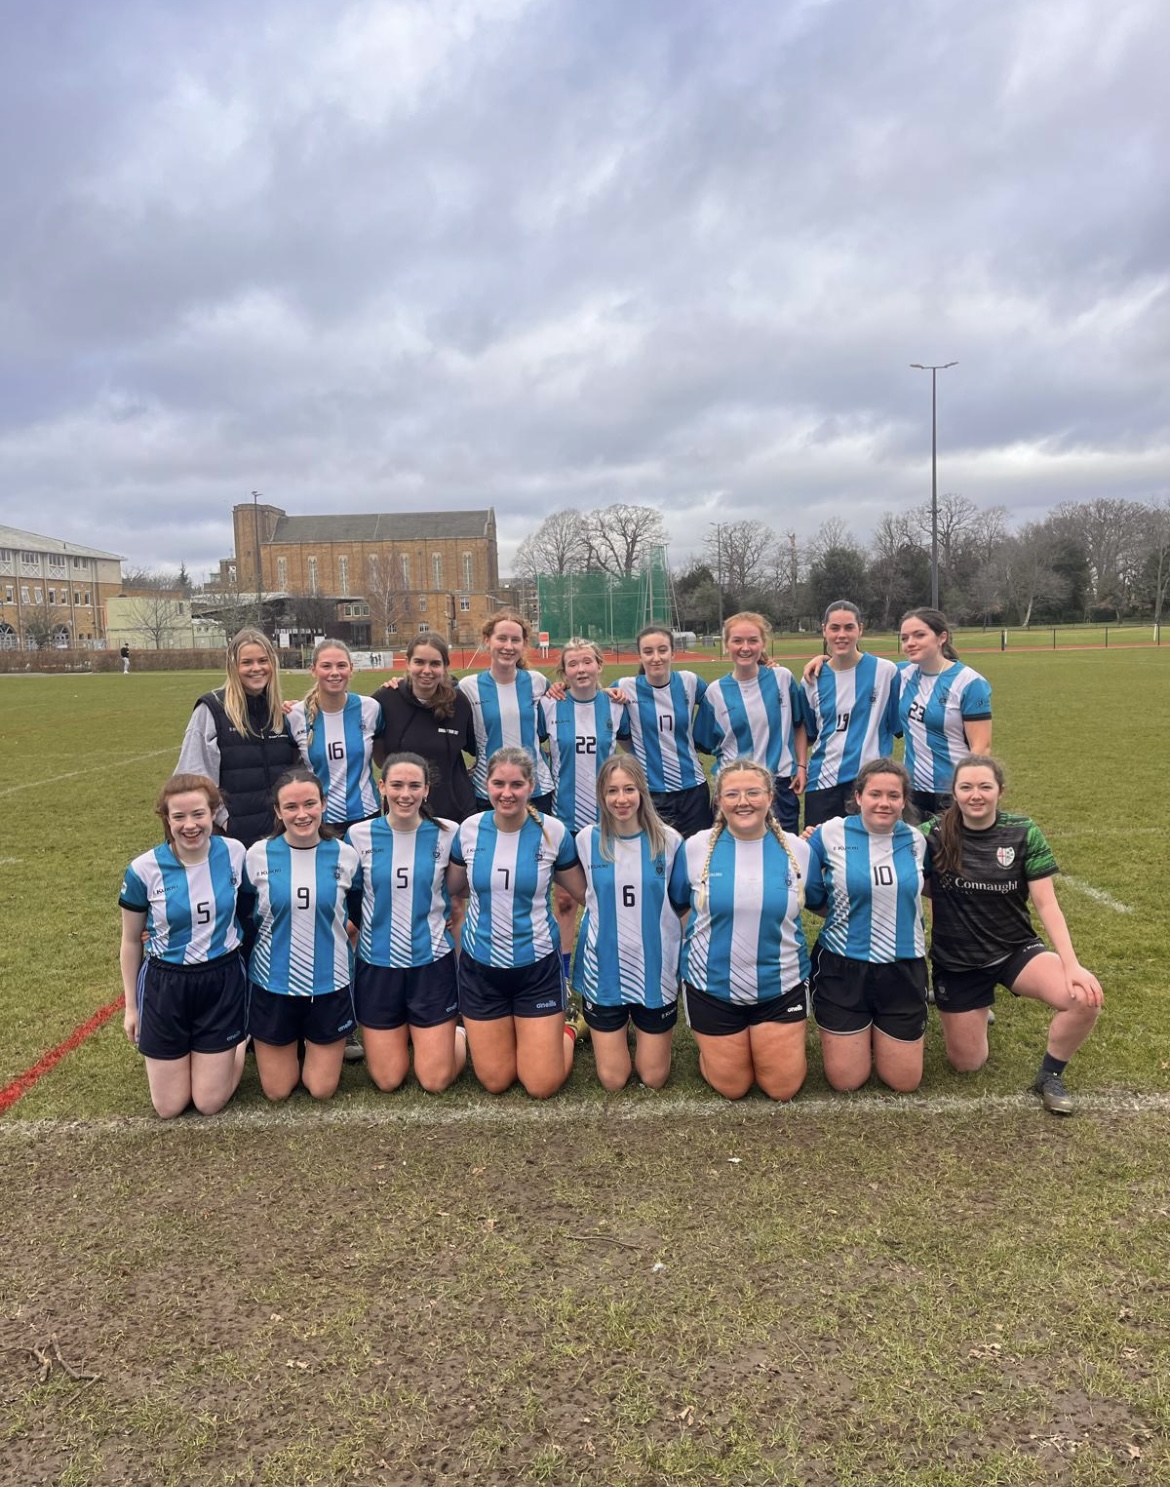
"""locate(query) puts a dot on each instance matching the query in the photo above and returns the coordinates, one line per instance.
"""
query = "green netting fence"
(602, 607)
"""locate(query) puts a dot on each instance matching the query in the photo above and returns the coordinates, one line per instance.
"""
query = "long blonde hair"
(312, 702)
(648, 818)
(235, 698)
(747, 765)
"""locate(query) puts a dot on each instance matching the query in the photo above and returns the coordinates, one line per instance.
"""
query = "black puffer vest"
(249, 765)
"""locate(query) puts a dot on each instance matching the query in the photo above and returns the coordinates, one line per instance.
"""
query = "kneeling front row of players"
(222, 943)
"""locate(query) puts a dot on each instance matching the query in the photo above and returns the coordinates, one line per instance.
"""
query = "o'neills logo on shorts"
(1005, 856)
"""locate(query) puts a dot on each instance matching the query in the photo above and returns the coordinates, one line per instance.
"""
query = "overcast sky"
(547, 253)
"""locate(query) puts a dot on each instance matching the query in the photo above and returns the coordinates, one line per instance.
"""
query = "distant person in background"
(988, 867)
(239, 737)
(185, 988)
(125, 655)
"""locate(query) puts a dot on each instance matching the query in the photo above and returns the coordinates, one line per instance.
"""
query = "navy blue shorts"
(604, 1019)
(687, 811)
(487, 993)
(850, 996)
(388, 997)
(786, 806)
(930, 803)
(191, 1009)
(718, 1018)
(968, 991)
(825, 805)
(277, 1019)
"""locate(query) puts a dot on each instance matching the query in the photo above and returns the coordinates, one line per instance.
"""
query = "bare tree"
(958, 521)
(1026, 571)
(832, 535)
(1157, 547)
(738, 553)
(387, 600)
(559, 545)
(896, 567)
(620, 535)
(1111, 533)
(158, 616)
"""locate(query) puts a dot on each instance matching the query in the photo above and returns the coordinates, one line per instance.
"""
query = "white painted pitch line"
(93, 769)
(575, 1111)
(1098, 895)
(10, 861)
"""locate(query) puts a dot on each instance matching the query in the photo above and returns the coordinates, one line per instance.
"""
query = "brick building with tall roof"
(379, 578)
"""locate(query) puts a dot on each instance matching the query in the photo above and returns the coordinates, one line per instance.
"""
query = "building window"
(9, 594)
(38, 595)
(343, 575)
(422, 604)
(79, 562)
(464, 603)
(391, 629)
(24, 599)
(86, 596)
(468, 571)
(423, 628)
(58, 567)
(30, 564)
(52, 596)
(282, 574)
(6, 557)
(436, 570)
(312, 566)
(404, 560)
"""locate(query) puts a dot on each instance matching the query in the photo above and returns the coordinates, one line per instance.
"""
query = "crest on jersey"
(1005, 856)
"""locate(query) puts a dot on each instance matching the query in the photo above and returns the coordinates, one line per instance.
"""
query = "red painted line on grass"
(24, 1082)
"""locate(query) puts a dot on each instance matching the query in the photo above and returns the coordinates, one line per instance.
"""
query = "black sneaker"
(1053, 1095)
(354, 1052)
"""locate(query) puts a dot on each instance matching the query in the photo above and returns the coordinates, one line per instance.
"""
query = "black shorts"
(968, 991)
(719, 1018)
(278, 1019)
(388, 997)
(825, 805)
(604, 1019)
(541, 803)
(191, 1009)
(930, 803)
(850, 996)
(341, 827)
(687, 811)
(487, 993)
(785, 805)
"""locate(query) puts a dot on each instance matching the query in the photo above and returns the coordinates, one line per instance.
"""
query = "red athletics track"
(24, 1082)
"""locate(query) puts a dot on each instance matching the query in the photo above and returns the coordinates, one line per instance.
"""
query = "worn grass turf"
(749, 1296)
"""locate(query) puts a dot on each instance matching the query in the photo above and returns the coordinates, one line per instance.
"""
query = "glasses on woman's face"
(734, 796)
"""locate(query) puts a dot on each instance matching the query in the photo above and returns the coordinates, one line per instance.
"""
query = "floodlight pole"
(934, 371)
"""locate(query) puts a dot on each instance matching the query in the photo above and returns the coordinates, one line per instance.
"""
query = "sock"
(570, 1031)
(1050, 1065)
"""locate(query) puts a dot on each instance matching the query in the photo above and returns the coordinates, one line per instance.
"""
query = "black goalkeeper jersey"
(980, 915)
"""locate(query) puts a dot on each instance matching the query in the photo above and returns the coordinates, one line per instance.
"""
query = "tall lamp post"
(934, 371)
(259, 570)
(719, 575)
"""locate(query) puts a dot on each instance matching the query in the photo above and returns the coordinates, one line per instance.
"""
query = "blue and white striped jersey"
(581, 736)
(754, 718)
(505, 716)
(340, 753)
(661, 730)
(855, 715)
(301, 946)
(869, 887)
(631, 936)
(509, 919)
(744, 941)
(190, 909)
(405, 904)
(933, 711)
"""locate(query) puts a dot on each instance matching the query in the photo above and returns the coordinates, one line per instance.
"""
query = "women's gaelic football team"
(333, 866)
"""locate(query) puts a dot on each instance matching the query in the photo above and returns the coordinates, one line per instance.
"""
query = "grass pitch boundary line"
(574, 1109)
(1098, 895)
(91, 769)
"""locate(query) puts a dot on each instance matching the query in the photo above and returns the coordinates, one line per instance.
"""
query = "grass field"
(630, 1289)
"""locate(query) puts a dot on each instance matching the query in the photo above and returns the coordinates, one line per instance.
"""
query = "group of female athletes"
(333, 864)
